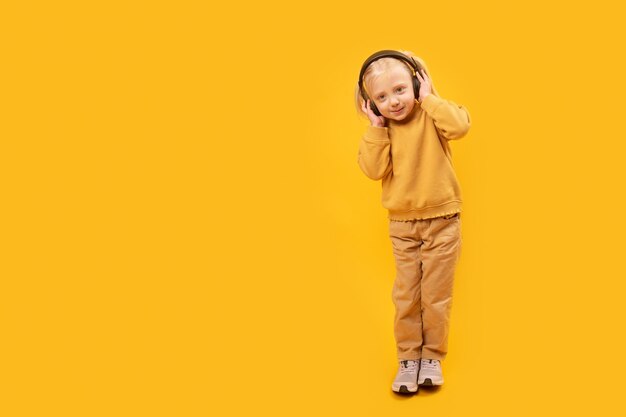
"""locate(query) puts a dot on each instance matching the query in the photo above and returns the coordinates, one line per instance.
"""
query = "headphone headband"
(383, 54)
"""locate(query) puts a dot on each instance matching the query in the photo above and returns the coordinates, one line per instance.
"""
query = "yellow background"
(186, 231)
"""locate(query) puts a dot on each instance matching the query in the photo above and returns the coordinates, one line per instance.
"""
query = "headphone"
(393, 54)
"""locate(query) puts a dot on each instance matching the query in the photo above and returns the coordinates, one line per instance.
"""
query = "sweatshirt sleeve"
(451, 120)
(375, 152)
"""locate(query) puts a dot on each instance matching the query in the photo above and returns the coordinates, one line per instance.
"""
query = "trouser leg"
(440, 253)
(406, 288)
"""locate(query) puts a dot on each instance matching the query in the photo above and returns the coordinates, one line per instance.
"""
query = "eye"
(399, 88)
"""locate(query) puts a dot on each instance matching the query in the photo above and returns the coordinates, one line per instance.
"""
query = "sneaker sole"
(404, 390)
(429, 383)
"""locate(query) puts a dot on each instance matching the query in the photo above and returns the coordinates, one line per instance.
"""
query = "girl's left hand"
(425, 84)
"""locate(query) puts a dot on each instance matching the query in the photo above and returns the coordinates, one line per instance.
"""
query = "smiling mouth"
(397, 111)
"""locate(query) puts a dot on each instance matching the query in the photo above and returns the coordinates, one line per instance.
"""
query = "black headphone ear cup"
(416, 86)
(372, 105)
(374, 109)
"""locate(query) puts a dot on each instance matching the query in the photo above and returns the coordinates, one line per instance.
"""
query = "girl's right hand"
(378, 121)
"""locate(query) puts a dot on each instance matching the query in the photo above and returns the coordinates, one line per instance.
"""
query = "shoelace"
(430, 363)
(407, 367)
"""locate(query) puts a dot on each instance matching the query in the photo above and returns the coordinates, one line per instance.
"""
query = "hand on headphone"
(378, 121)
(425, 84)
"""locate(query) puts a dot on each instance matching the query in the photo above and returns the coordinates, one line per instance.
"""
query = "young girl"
(406, 146)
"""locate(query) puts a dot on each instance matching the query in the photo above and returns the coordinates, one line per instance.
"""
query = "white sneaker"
(406, 378)
(430, 372)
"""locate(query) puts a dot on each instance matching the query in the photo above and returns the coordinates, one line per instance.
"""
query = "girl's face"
(392, 92)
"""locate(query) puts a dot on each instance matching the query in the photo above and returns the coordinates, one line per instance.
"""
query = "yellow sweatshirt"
(414, 160)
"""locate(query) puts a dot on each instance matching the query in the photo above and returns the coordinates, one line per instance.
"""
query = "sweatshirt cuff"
(431, 102)
(376, 133)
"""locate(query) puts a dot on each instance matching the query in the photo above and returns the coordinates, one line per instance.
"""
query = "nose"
(394, 101)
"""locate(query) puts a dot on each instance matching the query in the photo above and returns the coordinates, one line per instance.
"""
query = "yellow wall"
(186, 231)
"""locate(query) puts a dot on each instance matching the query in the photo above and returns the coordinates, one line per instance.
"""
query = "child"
(407, 147)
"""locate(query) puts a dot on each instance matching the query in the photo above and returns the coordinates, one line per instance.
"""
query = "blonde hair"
(378, 67)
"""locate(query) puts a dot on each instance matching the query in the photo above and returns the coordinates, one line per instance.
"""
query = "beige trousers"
(426, 253)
